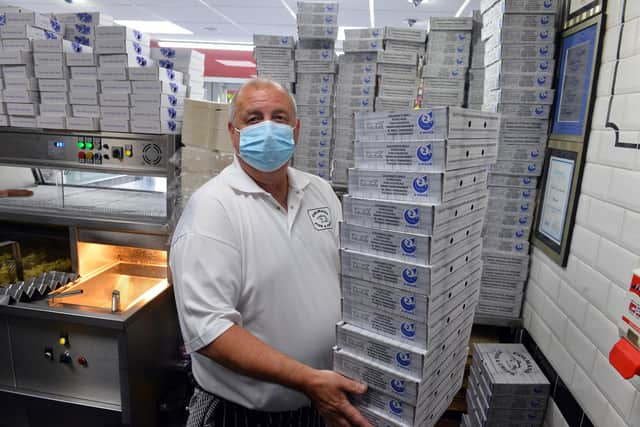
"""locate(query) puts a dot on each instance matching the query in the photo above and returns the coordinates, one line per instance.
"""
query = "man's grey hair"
(259, 82)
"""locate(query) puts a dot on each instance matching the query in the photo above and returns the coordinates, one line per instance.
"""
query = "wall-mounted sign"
(578, 55)
(560, 180)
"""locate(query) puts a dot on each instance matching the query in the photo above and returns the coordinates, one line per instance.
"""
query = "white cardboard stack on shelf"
(447, 60)
(19, 29)
(519, 43)
(355, 91)
(274, 59)
(189, 62)
(410, 258)
(398, 68)
(315, 64)
(475, 91)
(506, 387)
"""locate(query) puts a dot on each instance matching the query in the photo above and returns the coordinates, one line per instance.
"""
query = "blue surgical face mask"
(266, 146)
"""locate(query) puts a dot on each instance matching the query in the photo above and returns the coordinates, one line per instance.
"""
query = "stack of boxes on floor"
(20, 29)
(274, 59)
(506, 387)
(411, 258)
(206, 148)
(519, 50)
(398, 68)
(475, 92)
(187, 61)
(316, 64)
(446, 62)
(356, 91)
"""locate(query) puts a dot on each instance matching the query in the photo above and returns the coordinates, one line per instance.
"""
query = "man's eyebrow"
(252, 111)
(281, 110)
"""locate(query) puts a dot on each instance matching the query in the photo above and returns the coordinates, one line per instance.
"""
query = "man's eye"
(282, 119)
(252, 120)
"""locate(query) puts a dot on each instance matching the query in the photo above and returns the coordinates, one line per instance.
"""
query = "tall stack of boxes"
(398, 68)
(19, 30)
(506, 387)
(355, 92)
(187, 61)
(274, 59)
(205, 150)
(316, 65)
(475, 91)
(446, 62)
(519, 51)
(411, 258)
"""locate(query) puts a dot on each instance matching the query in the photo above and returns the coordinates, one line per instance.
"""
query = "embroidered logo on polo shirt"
(320, 218)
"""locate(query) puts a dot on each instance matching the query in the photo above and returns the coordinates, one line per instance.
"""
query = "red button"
(82, 360)
(81, 155)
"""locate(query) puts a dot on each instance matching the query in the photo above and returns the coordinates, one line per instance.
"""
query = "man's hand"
(328, 392)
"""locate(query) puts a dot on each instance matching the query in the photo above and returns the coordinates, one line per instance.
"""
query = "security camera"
(416, 3)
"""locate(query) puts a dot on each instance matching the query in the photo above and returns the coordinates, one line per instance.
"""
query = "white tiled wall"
(571, 312)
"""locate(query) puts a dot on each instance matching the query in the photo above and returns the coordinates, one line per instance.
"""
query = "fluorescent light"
(286, 5)
(341, 35)
(232, 63)
(245, 47)
(154, 27)
(372, 13)
(462, 8)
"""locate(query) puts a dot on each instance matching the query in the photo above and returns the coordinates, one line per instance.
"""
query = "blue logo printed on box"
(403, 359)
(410, 275)
(412, 216)
(424, 153)
(408, 329)
(408, 304)
(397, 385)
(421, 184)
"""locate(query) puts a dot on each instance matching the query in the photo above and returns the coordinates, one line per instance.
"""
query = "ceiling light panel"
(154, 27)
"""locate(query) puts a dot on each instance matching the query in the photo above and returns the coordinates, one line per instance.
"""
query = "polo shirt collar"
(238, 179)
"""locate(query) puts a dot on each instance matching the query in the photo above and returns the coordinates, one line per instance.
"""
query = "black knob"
(66, 358)
(48, 353)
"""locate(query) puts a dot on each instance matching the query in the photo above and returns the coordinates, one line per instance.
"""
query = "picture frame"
(577, 74)
(577, 11)
(558, 199)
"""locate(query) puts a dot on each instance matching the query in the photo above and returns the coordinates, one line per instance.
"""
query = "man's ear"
(296, 131)
(234, 137)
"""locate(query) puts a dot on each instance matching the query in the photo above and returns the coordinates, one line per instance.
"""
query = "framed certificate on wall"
(558, 200)
(579, 50)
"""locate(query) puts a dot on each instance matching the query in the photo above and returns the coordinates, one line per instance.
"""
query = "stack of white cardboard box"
(274, 59)
(81, 27)
(187, 61)
(206, 147)
(519, 50)
(398, 68)
(411, 258)
(355, 91)
(506, 387)
(447, 60)
(19, 29)
(475, 91)
(316, 64)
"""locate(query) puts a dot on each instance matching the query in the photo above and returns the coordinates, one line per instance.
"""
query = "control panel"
(102, 151)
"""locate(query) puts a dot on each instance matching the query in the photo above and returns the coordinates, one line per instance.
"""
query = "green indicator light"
(89, 145)
(81, 145)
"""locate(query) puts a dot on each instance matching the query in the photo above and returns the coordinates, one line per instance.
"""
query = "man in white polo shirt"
(254, 262)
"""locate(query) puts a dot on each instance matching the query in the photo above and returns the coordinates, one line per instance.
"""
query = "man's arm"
(241, 351)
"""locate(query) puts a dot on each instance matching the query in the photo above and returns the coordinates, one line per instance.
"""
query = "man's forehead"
(267, 95)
